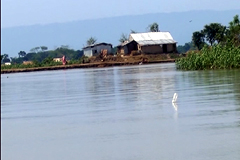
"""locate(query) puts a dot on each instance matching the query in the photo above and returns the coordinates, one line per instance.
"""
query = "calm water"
(121, 113)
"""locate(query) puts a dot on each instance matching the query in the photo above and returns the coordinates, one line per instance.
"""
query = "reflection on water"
(121, 113)
(175, 106)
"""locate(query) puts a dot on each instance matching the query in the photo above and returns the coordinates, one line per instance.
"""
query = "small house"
(127, 47)
(149, 43)
(95, 49)
(27, 62)
(57, 59)
(7, 63)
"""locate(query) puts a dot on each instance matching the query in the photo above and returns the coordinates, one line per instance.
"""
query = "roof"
(125, 43)
(152, 38)
(96, 44)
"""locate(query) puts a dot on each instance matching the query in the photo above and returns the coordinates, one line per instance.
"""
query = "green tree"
(132, 31)
(221, 32)
(233, 31)
(43, 48)
(65, 46)
(22, 54)
(4, 58)
(17, 60)
(198, 39)
(123, 38)
(47, 60)
(186, 47)
(214, 32)
(153, 27)
(91, 41)
(30, 56)
(35, 49)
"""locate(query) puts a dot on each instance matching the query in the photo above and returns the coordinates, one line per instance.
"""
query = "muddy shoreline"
(87, 65)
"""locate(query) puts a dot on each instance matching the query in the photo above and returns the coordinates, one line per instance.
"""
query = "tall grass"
(215, 57)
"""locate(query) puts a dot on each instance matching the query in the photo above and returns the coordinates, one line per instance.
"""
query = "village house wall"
(128, 48)
(7, 63)
(57, 59)
(27, 62)
(88, 52)
(152, 49)
(124, 50)
(94, 51)
(171, 48)
(99, 48)
(132, 47)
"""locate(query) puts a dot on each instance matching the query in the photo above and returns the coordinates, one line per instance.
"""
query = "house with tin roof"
(148, 43)
(95, 49)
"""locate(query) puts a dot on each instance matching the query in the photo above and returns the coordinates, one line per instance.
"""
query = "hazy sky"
(28, 12)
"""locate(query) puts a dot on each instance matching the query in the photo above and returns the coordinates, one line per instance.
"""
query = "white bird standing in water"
(174, 100)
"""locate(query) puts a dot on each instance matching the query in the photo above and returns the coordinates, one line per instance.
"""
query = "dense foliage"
(40, 56)
(153, 27)
(223, 51)
(123, 38)
(186, 47)
(215, 57)
(47, 62)
(91, 41)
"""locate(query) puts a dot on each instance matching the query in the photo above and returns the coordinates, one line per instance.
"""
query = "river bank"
(86, 65)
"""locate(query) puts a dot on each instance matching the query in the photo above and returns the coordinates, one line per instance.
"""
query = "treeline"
(218, 47)
(186, 47)
(47, 62)
(216, 33)
(39, 56)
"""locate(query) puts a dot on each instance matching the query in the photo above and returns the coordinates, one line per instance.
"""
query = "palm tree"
(44, 48)
(153, 27)
(22, 54)
(91, 41)
(123, 38)
(4, 57)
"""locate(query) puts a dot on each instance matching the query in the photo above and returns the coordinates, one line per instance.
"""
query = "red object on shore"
(63, 60)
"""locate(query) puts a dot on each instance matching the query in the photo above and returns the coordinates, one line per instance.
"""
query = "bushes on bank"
(219, 56)
(223, 52)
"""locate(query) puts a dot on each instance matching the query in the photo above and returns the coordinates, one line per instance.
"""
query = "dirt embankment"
(136, 58)
(104, 62)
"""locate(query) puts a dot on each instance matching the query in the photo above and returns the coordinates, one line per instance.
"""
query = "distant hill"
(107, 30)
